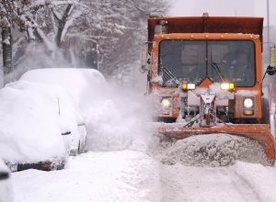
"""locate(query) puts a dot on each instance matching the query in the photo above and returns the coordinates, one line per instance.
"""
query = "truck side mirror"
(144, 58)
(270, 70)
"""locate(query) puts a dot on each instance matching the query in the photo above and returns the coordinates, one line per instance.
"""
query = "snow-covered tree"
(104, 34)
(18, 15)
(115, 29)
(11, 14)
(45, 24)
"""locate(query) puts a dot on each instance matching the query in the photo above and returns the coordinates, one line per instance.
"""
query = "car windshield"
(193, 61)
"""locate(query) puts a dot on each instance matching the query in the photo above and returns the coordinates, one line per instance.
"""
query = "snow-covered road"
(134, 176)
(93, 176)
(240, 182)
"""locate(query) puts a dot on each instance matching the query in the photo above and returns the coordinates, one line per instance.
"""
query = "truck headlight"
(166, 105)
(248, 102)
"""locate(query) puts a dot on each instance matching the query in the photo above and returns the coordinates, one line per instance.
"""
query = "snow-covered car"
(5, 185)
(79, 84)
(31, 128)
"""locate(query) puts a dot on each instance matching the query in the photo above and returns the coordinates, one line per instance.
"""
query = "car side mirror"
(144, 58)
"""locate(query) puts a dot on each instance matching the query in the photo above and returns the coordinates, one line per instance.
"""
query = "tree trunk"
(61, 25)
(7, 51)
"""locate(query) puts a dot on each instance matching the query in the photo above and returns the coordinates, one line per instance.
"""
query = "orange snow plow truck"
(205, 76)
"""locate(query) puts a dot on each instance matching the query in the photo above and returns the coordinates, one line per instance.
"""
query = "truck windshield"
(193, 61)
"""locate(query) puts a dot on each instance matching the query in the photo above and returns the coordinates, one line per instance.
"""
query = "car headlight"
(248, 102)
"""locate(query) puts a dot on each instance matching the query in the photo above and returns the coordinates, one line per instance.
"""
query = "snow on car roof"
(76, 81)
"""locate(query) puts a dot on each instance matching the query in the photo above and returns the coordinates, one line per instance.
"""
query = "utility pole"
(268, 26)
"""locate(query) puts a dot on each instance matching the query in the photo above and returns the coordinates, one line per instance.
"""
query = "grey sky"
(225, 7)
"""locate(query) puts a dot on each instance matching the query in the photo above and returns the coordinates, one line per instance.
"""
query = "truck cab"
(218, 53)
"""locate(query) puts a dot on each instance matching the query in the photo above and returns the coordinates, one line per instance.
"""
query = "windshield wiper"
(217, 70)
(171, 75)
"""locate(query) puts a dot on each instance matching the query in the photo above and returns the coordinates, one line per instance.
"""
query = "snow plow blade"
(258, 132)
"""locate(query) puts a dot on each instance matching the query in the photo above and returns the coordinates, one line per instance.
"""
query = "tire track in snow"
(242, 185)
(205, 184)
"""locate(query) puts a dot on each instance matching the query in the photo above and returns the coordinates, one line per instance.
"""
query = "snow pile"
(210, 150)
